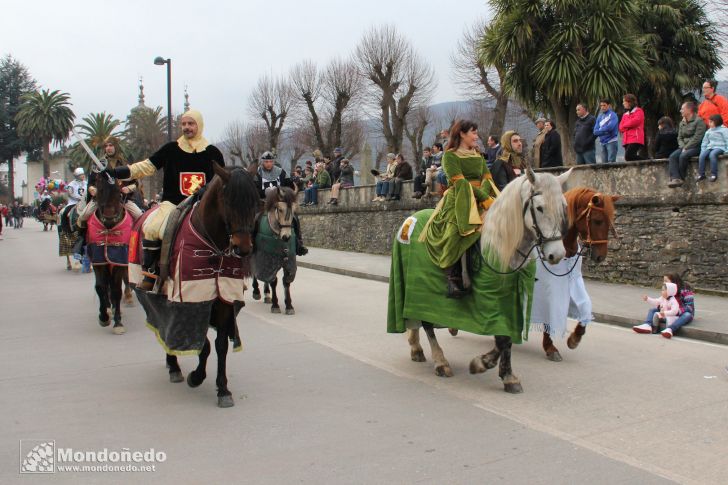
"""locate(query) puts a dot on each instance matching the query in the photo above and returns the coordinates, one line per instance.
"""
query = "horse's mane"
(578, 198)
(240, 196)
(503, 228)
(271, 199)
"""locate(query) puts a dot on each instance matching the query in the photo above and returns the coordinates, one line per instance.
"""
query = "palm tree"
(557, 54)
(682, 52)
(146, 132)
(96, 128)
(45, 117)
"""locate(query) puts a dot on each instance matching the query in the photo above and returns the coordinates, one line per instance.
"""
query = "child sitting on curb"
(665, 309)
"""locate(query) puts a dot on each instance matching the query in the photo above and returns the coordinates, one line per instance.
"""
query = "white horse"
(529, 213)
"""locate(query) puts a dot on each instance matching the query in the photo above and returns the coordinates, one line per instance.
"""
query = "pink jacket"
(669, 306)
(632, 126)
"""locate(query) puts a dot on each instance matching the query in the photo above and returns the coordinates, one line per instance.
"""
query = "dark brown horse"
(110, 270)
(225, 215)
(591, 218)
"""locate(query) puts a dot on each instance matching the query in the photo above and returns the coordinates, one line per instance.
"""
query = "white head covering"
(78, 172)
(198, 143)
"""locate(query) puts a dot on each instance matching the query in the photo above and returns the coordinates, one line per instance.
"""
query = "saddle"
(171, 230)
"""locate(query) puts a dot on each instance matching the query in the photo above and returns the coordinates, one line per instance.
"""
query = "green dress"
(455, 224)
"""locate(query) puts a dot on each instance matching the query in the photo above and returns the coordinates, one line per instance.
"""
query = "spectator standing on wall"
(402, 172)
(689, 137)
(607, 129)
(440, 177)
(346, 180)
(714, 104)
(334, 167)
(537, 142)
(715, 144)
(584, 136)
(666, 140)
(551, 148)
(632, 127)
(491, 154)
(420, 185)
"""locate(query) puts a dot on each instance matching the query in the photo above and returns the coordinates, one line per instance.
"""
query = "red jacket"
(717, 105)
(632, 127)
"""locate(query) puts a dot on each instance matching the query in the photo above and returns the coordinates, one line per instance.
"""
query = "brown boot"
(455, 287)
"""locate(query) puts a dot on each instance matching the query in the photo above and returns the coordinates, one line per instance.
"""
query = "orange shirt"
(717, 105)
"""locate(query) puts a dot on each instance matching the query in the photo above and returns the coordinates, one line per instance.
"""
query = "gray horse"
(275, 247)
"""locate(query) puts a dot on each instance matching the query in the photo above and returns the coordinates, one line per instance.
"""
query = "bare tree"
(294, 144)
(477, 81)
(271, 101)
(256, 142)
(414, 130)
(398, 79)
(329, 95)
(234, 142)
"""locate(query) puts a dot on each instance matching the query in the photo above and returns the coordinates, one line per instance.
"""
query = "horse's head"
(238, 198)
(109, 206)
(280, 206)
(530, 212)
(591, 216)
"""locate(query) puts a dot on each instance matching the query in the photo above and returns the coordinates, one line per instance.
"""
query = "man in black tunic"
(187, 165)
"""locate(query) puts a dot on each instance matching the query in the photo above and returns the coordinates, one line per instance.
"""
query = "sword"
(99, 165)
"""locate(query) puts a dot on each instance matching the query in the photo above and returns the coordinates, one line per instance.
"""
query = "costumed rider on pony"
(129, 189)
(455, 225)
(271, 176)
(188, 166)
(76, 191)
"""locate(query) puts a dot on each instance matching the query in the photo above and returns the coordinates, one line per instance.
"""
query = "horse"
(223, 218)
(559, 290)
(107, 246)
(68, 233)
(275, 247)
(47, 214)
(529, 214)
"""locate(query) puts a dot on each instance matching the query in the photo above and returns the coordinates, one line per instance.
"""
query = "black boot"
(454, 276)
(301, 250)
(150, 262)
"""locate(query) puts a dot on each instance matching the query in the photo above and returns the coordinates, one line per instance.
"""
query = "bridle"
(541, 239)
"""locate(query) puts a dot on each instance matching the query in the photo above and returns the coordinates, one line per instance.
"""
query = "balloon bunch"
(50, 185)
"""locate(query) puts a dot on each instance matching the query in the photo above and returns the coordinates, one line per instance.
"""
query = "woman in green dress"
(456, 222)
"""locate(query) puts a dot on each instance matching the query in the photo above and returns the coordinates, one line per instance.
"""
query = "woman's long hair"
(456, 131)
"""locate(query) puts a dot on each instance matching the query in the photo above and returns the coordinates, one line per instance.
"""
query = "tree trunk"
(11, 179)
(565, 119)
(499, 116)
(650, 135)
(46, 158)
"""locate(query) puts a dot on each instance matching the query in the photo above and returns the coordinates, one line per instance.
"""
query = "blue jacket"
(607, 127)
(715, 138)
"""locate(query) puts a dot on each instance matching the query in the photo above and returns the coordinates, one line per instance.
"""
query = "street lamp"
(160, 61)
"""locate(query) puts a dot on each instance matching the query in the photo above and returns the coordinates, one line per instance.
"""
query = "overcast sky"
(97, 50)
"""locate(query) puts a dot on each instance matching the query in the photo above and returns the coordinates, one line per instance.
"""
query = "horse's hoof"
(256, 295)
(119, 329)
(477, 366)
(573, 341)
(128, 301)
(176, 377)
(513, 388)
(418, 356)
(267, 299)
(443, 371)
(453, 331)
(554, 356)
(104, 323)
(275, 309)
(225, 401)
(69, 267)
(191, 381)
(290, 311)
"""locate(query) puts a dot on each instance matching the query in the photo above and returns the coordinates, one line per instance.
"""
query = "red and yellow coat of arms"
(191, 182)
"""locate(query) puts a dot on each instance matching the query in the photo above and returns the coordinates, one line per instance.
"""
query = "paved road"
(326, 396)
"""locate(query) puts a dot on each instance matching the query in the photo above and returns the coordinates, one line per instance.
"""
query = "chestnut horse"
(591, 217)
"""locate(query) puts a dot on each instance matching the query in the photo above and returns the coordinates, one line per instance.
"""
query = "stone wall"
(661, 229)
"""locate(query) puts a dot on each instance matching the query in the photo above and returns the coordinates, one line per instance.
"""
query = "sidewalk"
(612, 303)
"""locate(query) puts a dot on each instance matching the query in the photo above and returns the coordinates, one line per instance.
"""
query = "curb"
(616, 320)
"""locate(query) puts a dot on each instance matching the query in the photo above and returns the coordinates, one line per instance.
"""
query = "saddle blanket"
(108, 246)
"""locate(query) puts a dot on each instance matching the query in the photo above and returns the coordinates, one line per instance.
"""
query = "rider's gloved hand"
(121, 173)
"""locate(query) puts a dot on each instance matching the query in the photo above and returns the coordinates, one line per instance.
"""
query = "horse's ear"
(278, 192)
(221, 172)
(564, 177)
(615, 198)
(531, 175)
